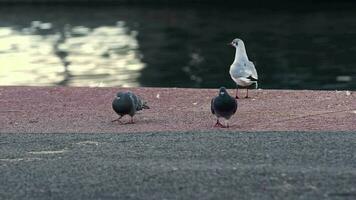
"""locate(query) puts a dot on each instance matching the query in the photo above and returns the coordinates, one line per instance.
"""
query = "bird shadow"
(136, 122)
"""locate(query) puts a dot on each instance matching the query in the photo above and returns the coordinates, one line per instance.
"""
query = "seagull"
(242, 71)
(224, 106)
(127, 103)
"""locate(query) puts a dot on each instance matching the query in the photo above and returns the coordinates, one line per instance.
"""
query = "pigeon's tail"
(141, 104)
(145, 106)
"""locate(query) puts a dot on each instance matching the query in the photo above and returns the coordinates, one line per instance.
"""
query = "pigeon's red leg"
(118, 119)
(218, 124)
(237, 91)
(227, 124)
(246, 94)
(131, 121)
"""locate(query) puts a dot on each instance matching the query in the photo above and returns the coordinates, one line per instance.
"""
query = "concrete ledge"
(88, 110)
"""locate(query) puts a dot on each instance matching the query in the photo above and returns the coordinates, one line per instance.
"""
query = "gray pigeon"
(127, 103)
(242, 70)
(224, 106)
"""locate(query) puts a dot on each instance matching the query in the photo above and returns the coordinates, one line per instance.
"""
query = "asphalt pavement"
(206, 165)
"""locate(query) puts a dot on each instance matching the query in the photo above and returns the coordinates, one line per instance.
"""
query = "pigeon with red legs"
(224, 106)
(127, 103)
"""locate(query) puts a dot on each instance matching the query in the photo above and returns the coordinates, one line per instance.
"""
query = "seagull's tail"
(252, 79)
(245, 81)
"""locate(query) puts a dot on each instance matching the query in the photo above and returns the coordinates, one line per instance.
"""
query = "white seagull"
(242, 71)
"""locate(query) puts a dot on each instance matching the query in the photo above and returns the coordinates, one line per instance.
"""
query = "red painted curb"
(88, 110)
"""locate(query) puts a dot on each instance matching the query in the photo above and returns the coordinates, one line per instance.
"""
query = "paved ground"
(154, 159)
(88, 110)
(215, 165)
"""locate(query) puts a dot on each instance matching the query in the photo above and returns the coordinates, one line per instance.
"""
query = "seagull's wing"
(253, 70)
(238, 70)
(243, 70)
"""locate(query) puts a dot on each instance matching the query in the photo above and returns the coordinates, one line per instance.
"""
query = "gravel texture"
(88, 110)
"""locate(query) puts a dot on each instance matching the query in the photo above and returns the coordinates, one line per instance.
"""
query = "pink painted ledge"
(88, 110)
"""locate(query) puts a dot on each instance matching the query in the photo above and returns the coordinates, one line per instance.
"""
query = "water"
(293, 48)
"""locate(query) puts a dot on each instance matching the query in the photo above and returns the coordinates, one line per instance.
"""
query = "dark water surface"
(294, 48)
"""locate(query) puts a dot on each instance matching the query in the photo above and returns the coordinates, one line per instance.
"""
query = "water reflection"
(69, 55)
(181, 47)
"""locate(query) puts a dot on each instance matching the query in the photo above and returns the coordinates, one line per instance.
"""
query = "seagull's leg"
(246, 94)
(237, 91)
(118, 119)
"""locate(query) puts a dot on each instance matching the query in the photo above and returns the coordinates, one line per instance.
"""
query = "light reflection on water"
(74, 56)
(176, 47)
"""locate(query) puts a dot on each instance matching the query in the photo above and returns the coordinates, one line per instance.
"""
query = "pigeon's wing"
(235, 105)
(136, 101)
(134, 98)
(212, 106)
(139, 102)
(115, 106)
(132, 102)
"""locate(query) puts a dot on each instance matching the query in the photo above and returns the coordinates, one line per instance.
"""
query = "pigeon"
(127, 103)
(242, 71)
(224, 106)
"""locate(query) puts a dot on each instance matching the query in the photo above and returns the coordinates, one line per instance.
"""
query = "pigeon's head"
(223, 92)
(119, 95)
(236, 42)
